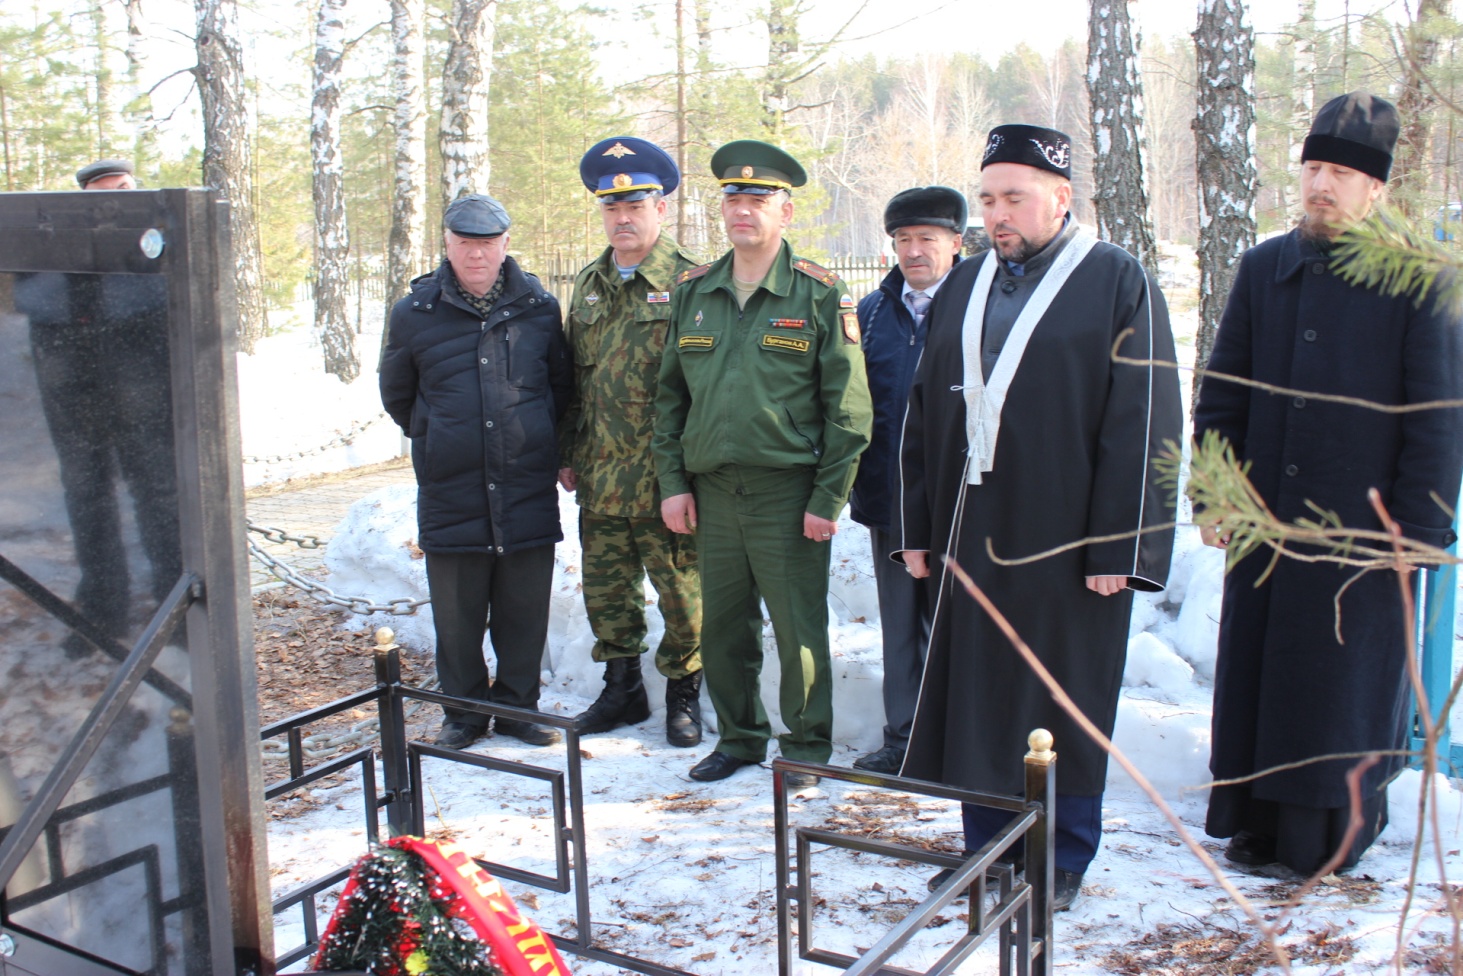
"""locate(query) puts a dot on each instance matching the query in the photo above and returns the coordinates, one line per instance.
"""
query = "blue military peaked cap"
(623, 168)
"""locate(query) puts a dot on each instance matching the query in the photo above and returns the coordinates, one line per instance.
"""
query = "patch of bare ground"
(1215, 950)
(879, 816)
(304, 658)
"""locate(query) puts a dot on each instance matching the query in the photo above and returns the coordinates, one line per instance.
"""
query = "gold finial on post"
(384, 638)
(1040, 741)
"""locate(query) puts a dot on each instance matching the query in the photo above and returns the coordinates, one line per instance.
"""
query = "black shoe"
(622, 702)
(887, 761)
(683, 710)
(1254, 850)
(458, 735)
(718, 765)
(800, 781)
(1067, 887)
(534, 735)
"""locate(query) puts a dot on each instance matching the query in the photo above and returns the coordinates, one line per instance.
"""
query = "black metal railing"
(1019, 912)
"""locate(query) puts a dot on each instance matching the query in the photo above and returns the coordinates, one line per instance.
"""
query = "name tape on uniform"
(791, 343)
(696, 342)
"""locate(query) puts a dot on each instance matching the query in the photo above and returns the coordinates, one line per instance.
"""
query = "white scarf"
(984, 401)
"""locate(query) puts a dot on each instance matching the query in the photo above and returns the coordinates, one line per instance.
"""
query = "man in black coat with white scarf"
(1311, 660)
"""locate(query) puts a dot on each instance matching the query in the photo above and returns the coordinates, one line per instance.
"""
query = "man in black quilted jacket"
(477, 373)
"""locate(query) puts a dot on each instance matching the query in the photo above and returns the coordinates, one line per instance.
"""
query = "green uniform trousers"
(618, 553)
(751, 546)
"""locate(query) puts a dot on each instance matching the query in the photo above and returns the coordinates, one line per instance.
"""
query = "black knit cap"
(1030, 145)
(933, 206)
(1358, 131)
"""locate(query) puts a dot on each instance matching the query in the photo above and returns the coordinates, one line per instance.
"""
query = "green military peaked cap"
(750, 166)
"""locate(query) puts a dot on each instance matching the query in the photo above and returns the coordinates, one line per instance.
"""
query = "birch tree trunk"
(1115, 101)
(1224, 138)
(139, 101)
(228, 152)
(109, 141)
(332, 238)
(404, 257)
(1411, 173)
(463, 138)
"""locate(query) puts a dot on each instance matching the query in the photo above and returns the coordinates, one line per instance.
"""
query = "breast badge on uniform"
(789, 323)
(850, 328)
(657, 297)
(699, 316)
(591, 298)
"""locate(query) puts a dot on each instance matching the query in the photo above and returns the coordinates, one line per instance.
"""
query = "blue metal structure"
(1436, 613)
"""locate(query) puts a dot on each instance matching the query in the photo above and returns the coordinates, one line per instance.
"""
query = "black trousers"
(506, 597)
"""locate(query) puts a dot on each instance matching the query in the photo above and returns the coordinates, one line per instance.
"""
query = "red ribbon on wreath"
(464, 890)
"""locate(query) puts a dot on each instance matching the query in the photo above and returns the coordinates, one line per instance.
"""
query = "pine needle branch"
(1385, 252)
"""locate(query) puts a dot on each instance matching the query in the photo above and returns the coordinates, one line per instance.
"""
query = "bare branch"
(1065, 702)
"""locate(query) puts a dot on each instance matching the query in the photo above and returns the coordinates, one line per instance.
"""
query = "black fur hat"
(935, 206)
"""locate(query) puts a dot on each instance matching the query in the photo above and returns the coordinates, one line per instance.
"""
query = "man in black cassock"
(1023, 431)
(1286, 689)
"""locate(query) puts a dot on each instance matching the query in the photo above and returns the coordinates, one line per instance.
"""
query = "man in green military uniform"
(617, 327)
(762, 412)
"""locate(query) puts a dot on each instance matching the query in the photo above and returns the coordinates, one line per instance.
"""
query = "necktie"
(919, 303)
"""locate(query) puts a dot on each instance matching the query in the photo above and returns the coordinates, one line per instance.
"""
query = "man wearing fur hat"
(926, 224)
(1312, 657)
(1023, 437)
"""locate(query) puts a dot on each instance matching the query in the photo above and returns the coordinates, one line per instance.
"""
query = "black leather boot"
(622, 702)
(683, 710)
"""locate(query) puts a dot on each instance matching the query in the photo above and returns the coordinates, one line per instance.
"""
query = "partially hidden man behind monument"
(1023, 432)
(100, 345)
(1300, 675)
(617, 326)
(761, 416)
(477, 373)
(927, 224)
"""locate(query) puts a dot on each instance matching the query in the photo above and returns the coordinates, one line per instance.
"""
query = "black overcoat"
(480, 401)
(1285, 689)
(1074, 460)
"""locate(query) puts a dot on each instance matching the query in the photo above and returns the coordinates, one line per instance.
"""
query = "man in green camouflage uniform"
(617, 327)
(762, 413)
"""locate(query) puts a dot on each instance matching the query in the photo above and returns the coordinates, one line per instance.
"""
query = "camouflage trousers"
(618, 554)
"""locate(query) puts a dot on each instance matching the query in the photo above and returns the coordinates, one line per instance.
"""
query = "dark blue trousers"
(1078, 829)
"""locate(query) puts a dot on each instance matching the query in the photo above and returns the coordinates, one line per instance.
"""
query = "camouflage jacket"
(617, 332)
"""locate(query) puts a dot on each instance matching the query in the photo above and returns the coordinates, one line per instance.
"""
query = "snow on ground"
(684, 872)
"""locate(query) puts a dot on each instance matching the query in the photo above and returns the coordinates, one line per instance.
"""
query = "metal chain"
(401, 606)
(280, 536)
(350, 435)
(328, 744)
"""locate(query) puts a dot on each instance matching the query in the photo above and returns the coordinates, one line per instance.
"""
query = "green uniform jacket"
(617, 333)
(778, 385)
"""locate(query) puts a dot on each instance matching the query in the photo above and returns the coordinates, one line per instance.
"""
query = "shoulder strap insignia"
(690, 273)
(816, 272)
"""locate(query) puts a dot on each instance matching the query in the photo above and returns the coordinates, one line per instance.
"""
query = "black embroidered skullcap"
(1358, 131)
(934, 206)
(476, 216)
(101, 168)
(1030, 145)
